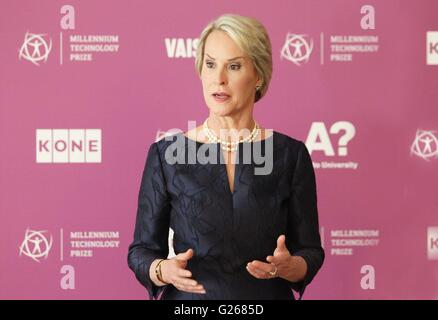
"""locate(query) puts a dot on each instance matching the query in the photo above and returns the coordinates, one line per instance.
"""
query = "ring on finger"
(274, 272)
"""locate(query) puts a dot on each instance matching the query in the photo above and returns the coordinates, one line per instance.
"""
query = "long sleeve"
(303, 228)
(152, 223)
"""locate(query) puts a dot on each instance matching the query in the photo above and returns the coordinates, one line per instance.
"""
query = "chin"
(221, 109)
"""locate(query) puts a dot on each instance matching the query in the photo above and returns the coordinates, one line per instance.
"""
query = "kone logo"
(432, 47)
(296, 49)
(35, 49)
(68, 145)
(432, 243)
(36, 245)
(425, 145)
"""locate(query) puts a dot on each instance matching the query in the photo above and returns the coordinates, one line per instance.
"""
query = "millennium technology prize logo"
(425, 145)
(297, 49)
(35, 48)
(36, 245)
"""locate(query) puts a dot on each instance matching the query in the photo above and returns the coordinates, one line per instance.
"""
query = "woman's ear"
(259, 81)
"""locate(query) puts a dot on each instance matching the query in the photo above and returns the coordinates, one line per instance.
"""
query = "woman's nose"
(221, 76)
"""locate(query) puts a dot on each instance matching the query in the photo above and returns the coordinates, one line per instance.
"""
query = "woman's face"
(228, 70)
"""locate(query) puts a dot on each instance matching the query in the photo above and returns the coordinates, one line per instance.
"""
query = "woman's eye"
(235, 66)
(209, 64)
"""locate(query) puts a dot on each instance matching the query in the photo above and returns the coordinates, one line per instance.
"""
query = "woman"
(237, 234)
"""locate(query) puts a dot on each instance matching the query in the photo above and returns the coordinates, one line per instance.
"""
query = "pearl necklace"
(230, 146)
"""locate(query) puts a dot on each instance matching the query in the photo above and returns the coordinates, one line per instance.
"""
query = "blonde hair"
(251, 36)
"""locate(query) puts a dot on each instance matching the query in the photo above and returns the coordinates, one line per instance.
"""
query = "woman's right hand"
(174, 271)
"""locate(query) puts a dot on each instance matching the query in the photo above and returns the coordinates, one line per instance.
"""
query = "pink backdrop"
(379, 221)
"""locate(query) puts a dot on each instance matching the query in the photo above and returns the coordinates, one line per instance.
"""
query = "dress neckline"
(237, 170)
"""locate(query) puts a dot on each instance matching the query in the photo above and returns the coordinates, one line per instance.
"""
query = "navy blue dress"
(227, 230)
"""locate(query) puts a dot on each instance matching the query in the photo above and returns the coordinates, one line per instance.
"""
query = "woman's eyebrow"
(227, 60)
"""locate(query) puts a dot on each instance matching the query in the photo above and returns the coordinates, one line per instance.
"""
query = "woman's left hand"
(282, 264)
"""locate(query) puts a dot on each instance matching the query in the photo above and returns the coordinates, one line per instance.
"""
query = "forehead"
(220, 46)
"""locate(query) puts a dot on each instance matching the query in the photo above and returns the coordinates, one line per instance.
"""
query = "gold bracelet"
(158, 271)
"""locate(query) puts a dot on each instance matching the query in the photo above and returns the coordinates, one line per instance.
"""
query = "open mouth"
(220, 97)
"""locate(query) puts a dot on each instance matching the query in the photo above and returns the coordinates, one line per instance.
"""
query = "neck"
(228, 124)
(231, 130)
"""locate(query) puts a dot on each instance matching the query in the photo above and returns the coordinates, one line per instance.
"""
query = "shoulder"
(293, 150)
(158, 148)
(168, 139)
(284, 140)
